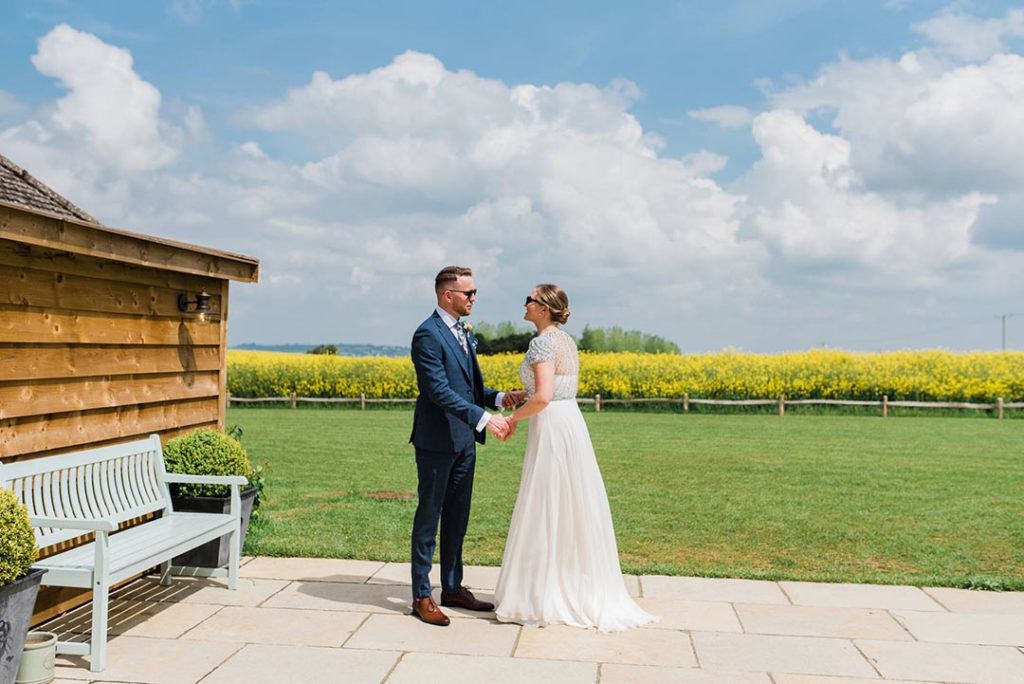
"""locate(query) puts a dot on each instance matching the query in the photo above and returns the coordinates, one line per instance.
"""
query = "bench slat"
(137, 548)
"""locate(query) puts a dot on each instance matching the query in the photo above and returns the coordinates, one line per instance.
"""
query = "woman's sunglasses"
(531, 300)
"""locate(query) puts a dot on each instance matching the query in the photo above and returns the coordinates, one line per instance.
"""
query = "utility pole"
(1004, 317)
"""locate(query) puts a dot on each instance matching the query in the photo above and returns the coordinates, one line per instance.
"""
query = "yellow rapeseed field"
(825, 374)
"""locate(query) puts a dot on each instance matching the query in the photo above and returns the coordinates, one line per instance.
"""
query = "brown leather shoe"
(425, 609)
(465, 599)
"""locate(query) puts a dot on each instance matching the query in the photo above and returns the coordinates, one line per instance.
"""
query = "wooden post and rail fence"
(685, 402)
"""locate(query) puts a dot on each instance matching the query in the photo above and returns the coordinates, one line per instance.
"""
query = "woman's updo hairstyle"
(555, 299)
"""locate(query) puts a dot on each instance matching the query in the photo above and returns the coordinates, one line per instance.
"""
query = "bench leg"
(234, 555)
(98, 638)
(165, 574)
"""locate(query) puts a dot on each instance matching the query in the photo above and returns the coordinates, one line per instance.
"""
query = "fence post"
(782, 405)
(362, 402)
(597, 403)
(999, 408)
(885, 405)
(294, 402)
(686, 403)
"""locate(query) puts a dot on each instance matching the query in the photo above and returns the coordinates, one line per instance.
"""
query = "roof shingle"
(18, 186)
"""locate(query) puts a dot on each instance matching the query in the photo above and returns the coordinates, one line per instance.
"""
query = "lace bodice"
(556, 347)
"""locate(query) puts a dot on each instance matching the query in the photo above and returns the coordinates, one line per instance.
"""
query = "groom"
(449, 421)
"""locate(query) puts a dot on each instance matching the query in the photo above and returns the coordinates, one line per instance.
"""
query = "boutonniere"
(468, 328)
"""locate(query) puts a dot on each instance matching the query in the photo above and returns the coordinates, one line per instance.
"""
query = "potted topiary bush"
(19, 583)
(209, 452)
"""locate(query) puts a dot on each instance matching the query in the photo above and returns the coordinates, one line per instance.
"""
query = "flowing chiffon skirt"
(561, 562)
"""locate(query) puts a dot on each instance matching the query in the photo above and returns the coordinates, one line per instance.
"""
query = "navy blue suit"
(448, 409)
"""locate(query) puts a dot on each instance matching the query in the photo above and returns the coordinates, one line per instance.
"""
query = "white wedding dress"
(561, 562)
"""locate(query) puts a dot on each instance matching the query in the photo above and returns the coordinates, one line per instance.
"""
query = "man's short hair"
(447, 277)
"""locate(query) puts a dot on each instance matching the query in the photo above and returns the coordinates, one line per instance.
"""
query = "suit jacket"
(452, 392)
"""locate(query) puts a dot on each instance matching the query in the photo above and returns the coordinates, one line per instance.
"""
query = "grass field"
(833, 498)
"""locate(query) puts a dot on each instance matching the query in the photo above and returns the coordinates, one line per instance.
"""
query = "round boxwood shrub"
(17, 540)
(205, 452)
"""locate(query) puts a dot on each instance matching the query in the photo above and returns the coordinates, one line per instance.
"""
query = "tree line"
(498, 338)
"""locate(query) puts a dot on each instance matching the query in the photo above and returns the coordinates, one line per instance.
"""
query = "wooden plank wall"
(95, 351)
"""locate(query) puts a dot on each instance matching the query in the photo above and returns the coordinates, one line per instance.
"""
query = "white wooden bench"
(97, 490)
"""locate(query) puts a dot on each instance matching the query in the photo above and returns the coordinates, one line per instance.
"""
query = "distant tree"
(615, 339)
(328, 349)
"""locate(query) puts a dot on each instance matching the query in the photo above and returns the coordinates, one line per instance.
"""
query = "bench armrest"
(94, 524)
(180, 478)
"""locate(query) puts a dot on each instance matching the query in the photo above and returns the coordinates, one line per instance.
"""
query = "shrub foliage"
(205, 452)
(17, 540)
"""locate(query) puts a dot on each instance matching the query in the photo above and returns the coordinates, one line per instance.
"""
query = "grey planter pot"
(212, 554)
(17, 601)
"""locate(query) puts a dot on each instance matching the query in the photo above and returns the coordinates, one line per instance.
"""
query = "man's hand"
(513, 398)
(498, 427)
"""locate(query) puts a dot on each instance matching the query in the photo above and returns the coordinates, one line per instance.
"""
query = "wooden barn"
(105, 335)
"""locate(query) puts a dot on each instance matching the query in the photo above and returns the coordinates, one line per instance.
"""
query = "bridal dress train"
(561, 562)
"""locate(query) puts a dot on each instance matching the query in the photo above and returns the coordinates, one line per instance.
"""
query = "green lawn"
(836, 498)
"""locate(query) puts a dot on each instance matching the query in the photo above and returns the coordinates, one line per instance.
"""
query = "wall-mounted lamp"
(199, 306)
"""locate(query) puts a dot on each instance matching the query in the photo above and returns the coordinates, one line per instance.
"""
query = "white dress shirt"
(452, 322)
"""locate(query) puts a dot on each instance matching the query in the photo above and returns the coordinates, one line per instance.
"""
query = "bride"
(561, 563)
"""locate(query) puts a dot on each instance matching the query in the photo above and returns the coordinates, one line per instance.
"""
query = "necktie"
(460, 331)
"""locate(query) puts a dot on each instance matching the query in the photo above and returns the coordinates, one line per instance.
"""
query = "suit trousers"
(445, 490)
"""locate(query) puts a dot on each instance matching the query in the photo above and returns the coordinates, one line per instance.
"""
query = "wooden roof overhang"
(40, 228)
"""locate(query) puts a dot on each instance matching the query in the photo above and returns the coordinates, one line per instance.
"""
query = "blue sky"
(762, 174)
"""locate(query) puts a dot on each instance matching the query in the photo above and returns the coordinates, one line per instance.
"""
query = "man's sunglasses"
(468, 293)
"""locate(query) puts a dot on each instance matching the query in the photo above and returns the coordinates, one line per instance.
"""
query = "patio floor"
(317, 620)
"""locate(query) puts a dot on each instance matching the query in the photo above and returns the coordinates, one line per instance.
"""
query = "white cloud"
(108, 106)
(726, 116)
(968, 37)
(704, 162)
(924, 130)
(807, 200)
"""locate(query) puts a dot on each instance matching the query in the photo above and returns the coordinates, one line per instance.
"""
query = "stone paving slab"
(416, 668)
(136, 618)
(361, 598)
(946, 662)
(267, 664)
(964, 628)
(711, 589)
(969, 601)
(278, 626)
(800, 655)
(250, 592)
(319, 569)
(645, 674)
(636, 646)
(848, 623)
(859, 596)
(706, 616)
(461, 637)
(150, 661)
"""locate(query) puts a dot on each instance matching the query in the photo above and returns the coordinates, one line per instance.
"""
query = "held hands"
(499, 426)
(513, 398)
